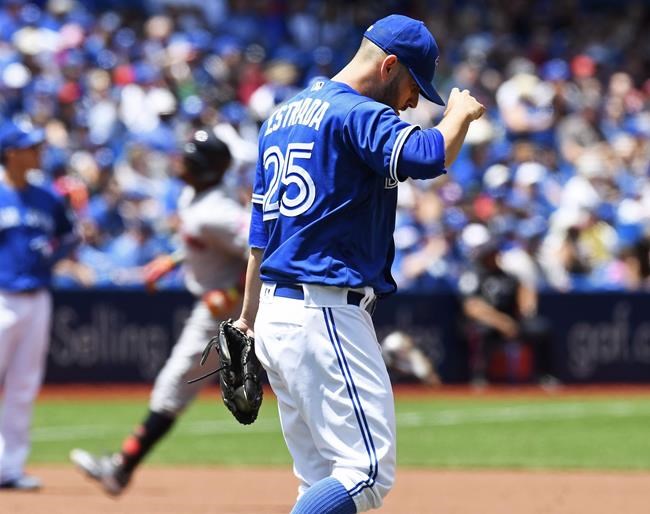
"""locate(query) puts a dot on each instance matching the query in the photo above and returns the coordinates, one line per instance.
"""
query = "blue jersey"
(33, 222)
(325, 190)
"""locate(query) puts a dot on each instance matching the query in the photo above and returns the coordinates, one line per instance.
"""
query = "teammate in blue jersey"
(324, 200)
(35, 232)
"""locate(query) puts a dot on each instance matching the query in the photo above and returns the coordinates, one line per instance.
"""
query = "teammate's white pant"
(24, 337)
(171, 392)
(334, 395)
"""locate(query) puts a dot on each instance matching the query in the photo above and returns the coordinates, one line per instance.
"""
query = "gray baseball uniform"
(214, 228)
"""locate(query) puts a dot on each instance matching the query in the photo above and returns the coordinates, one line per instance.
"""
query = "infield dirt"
(271, 491)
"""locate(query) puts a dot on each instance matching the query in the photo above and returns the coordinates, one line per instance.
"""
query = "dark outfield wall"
(600, 337)
(125, 336)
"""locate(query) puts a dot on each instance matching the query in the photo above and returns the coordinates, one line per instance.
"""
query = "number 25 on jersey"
(281, 198)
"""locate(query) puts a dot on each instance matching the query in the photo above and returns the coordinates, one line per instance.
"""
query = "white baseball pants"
(24, 337)
(334, 395)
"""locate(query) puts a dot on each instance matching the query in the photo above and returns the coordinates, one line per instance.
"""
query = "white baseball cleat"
(105, 469)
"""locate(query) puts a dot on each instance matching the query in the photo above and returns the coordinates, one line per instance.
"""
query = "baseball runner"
(214, 229)
(35, 232)
(324, 201)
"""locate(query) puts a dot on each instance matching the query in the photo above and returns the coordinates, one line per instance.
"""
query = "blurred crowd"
(557, 171)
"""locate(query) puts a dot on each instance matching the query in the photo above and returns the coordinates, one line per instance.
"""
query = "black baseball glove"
(239, 374)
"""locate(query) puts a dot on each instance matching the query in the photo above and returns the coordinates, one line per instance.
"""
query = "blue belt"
(295, 292)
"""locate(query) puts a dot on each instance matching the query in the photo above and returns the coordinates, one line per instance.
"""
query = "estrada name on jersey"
(325, 190)
(307, 111)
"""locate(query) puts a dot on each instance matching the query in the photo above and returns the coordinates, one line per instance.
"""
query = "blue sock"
(327, 496)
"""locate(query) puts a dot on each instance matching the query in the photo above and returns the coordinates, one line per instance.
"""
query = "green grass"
(534, 433)
(552, 434)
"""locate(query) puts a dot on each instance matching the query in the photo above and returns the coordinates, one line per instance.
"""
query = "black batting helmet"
(206, 156)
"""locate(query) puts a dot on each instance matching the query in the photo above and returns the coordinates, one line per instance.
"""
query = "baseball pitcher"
(324, 200)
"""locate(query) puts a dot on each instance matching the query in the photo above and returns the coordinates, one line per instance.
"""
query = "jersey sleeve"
(390, 146)
(422, 156)
(257, 237)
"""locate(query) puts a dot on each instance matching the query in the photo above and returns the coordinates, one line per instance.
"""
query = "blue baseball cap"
(412, 43)
(13, 135)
